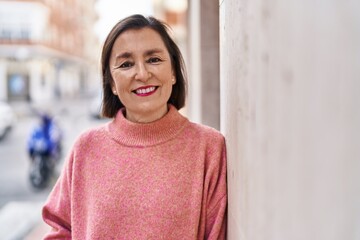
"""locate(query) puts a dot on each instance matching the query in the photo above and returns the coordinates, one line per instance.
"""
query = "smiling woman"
(140, 52)
(150, 173)
(142, 72)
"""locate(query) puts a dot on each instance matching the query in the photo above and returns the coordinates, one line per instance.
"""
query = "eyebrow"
(152, 51)
(124, 55)
(147, 53)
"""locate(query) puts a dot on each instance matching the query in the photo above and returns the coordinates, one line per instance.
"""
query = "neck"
(146, 118)
(149, 134)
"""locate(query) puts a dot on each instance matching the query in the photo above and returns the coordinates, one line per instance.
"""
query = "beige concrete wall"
(210, 69)
(290, 110)
(203, 62)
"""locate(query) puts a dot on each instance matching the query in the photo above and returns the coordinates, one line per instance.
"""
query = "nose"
(142, 73)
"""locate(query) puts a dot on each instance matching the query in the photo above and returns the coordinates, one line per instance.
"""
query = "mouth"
(145, 91)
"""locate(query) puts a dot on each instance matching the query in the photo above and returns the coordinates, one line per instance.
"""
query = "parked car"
(7, 118)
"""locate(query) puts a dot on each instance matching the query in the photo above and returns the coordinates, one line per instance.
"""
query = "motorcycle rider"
(45, 138)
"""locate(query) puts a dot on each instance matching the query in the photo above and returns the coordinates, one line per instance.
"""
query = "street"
(14, 185)
(72, 116)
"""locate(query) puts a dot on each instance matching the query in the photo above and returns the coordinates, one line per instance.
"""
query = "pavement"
(38, 232)
(22, 221)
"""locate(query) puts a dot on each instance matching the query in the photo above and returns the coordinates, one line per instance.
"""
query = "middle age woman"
(150, 173)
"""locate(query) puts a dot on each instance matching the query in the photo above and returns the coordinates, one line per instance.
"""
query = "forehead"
(138, 39)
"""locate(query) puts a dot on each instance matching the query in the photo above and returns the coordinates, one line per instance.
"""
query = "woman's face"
(141, 68)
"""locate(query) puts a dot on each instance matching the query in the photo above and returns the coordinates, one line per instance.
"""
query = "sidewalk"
(38, 232)
(22, 221)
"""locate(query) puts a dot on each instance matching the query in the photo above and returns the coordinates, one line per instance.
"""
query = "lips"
(145, 91)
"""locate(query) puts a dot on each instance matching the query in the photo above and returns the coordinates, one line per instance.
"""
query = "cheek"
(166, 75)
(117, 79)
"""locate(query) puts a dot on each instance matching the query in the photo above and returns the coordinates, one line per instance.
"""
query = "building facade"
(46, 49)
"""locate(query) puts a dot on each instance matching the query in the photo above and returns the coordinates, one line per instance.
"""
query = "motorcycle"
(44, 149)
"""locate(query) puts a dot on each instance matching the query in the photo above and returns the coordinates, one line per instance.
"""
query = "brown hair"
(111, 103)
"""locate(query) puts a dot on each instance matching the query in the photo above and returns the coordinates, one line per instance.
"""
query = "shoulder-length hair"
(111, 103)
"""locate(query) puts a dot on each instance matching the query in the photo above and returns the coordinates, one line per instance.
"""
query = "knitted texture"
(125, 180)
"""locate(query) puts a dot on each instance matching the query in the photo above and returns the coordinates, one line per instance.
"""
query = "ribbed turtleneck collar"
(147, 134)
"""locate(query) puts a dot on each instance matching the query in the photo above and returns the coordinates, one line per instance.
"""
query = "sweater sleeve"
(57, 209)
(216, 222)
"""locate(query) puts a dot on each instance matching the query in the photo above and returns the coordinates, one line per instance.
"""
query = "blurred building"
(46, 49)
(174, 13)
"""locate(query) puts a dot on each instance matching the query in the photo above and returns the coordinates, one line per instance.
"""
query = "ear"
(173, 78)
(113, 88)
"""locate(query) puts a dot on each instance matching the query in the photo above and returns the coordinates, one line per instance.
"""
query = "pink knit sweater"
(124, 180)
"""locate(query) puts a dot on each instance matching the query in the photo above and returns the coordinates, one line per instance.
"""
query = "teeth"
(145, 90)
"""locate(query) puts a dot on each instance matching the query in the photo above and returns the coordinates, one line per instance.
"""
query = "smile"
(145, 91)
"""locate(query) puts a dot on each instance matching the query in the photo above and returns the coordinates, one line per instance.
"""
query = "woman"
(149, 173)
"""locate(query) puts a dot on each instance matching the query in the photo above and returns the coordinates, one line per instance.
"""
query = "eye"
(126, 65)
(154, 60)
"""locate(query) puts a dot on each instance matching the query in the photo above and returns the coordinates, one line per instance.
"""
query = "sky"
(111, 11)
